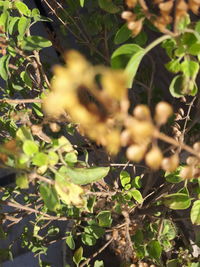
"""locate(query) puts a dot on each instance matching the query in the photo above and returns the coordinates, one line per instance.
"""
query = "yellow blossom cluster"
(170, 13)
(95, 98)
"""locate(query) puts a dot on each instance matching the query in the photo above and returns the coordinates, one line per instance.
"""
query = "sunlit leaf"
(195, 213)
(82, 176)
(49, 197)
(78, 255)
(177, 201)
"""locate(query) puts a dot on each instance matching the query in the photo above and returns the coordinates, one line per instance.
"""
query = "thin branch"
(96, 253)
(128, 237)
(172, 141)
(20, 101)
(33, 176)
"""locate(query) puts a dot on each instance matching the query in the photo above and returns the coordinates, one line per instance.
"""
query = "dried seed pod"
(54, 127)
(142, 112)
(186, 172)
(135, 152)
(170, 164)
(163, 111)
(196, 146)
(154, 158)
(192, 161)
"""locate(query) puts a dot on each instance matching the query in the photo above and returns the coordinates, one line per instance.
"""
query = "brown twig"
(128, 237)
(20, 101)
(33, 176)
(96, 253)
(172, 141)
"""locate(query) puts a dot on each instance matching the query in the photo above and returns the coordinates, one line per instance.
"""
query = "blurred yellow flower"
(88, 101)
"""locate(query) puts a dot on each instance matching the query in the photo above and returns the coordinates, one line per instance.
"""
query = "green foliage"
(59, 176)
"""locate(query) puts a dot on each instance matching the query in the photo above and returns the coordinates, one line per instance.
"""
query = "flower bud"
(135, 152)
(186, 172)
(125, 138)
(170, 164)
(54, 127)
(163, 111)
(142, 112)
(141, 131)
(192, 161)
(154, 158)
(127, 15)
(196, 146)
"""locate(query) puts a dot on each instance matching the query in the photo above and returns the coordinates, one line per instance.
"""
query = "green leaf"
(88, 239)
(174, 177)
(141, 38)
(194, 49)
(34, 42)
(23, 133)
(64, 144)
(183, 23)
(37, 107)
(82, 3)
(35, 12)
(26, 78)
(197, 27)
(71, 157)
(132, 66)
(168, 229)
(2, 233)
(22, 181)
(154, 249)
(94, 230)
(177, 201)
(4, 19)
(104, 218)
(70, 241)
(4, 60)
(49, 196)
(13, 25)
(190, 68)
(53, 158)
(125, 178)
(195, 264)
(70, 194)
(136, 182)
(173, 66)
(137, 195)
(173, 263)
(122, 54)
(30, 147)
(82, 176)
(195, 212)
(108, 6)
(98, 263)
(23, 25)
(22, 8)
(176, 86)
(122, 35)
(40, 159)
(78, 255)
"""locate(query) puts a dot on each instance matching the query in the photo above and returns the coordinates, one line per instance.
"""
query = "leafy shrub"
(140, 146)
